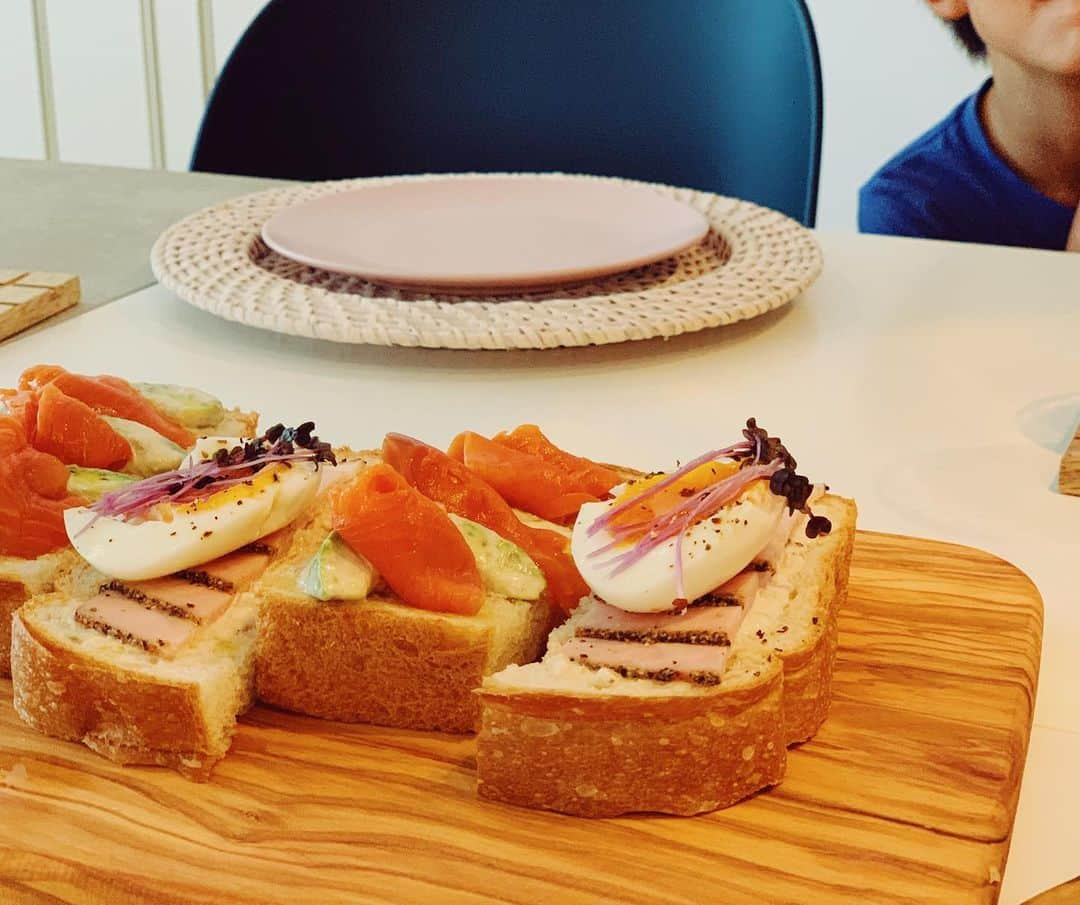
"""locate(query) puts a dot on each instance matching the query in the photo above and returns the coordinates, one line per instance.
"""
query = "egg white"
(138, 550)
(713, 550)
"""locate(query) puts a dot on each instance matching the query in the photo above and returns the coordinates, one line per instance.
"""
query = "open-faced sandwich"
(415, 581)
(65, 439)
(689, 619)
(705, 648)
(144, 651)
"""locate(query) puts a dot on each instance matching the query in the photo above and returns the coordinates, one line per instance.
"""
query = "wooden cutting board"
(1069, 472)
(906, 795)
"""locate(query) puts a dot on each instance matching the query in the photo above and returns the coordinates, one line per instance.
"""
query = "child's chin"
(1061, 56)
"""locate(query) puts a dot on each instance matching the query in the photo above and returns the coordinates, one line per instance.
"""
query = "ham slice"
(162, 614)
(691, 645)
(699, 663)
(232, 572)
(741, 590)
(605, 621)
(200, 595)
(176, 596)
(152, 630)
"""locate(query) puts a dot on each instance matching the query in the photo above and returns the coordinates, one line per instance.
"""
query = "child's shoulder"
(915, 192)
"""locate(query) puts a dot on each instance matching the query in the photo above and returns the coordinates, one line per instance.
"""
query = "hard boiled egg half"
(713, 549)
(171, 537)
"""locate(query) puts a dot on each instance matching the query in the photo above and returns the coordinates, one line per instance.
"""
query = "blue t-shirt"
(951, 184)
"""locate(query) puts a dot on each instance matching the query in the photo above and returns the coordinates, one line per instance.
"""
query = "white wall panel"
(181, 78)
(231, 17)
(20, 113)
(99, 84)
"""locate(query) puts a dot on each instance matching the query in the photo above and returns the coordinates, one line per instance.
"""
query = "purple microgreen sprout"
(760, 457)
(194, 481)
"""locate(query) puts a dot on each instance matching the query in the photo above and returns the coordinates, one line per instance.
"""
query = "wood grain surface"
(906, 795)
(1069, 472)
(27, 298)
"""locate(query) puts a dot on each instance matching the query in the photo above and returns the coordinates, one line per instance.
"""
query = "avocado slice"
(507, 570)
(93, 483)
(337, 572)
(152, 453)
(186, 405)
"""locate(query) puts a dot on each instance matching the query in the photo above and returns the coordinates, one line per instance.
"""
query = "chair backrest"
(720, 95)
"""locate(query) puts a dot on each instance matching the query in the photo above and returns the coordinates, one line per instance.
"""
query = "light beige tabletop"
(98, 222)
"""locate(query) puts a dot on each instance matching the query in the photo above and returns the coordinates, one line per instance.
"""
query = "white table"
(936, 383)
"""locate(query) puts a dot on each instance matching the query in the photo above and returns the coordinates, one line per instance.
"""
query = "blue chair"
(720, 95)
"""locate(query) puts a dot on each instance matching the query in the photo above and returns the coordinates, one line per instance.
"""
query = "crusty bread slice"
(130, 706)
(560, 736)
(377, 660)
(21, 579)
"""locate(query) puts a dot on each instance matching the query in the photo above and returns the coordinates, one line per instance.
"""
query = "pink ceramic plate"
(485, 231)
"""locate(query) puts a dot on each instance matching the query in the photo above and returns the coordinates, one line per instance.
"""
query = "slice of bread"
(21, 579)
(171, 704)
(377, 660)
(560, 736)
(128, 705)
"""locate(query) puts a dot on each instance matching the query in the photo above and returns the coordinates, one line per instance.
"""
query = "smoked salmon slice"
(410, 540)
(33, 495)
(583, 474)
(22, 406)
(525, 480)
(447, 481)
(73, 432)
(36, 376)
(107, 396)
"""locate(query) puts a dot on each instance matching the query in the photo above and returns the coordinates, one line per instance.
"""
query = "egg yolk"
(680, 494)
(237, 492)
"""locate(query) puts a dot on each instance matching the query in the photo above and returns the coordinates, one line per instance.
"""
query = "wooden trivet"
(1069, 475)
(28, 297)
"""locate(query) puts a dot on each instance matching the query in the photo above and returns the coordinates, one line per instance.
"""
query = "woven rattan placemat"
(752, 261)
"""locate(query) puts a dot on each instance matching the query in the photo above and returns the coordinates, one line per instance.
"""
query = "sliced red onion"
(676, 522)
(604, 520)
(179, 485)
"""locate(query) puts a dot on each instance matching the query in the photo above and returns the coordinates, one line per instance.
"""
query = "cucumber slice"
(93, 483)
(152, 453)
(337, 572)
(507, 570)
(192, 408)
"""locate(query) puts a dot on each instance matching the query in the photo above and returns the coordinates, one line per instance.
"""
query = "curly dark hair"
(966, 35)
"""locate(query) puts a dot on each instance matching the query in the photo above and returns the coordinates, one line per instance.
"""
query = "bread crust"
(122, 715)
(610, 756)
(13, 594)
(20, 580)
(599, 755)
(808, 674)
(351, 662)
